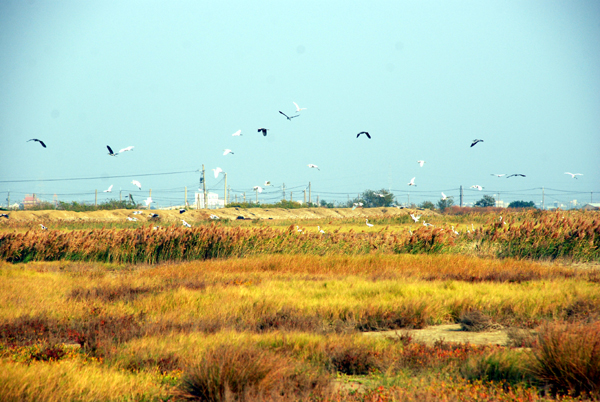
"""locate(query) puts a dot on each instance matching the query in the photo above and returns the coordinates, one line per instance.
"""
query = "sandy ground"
(204, 214)
(448, 333)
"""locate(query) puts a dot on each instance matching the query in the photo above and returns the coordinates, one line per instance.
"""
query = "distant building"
(213, 201)
(501, 204)
(593, 206)
(30, 201)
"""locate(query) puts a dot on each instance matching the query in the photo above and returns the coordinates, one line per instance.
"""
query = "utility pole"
(186, 202)
(304, 196)
(317, 200)
(309, 194)
(461, 196)
(256, 191)
(225, 192)
(543, 203)
(283, 186)
(291, 196)
(120, 196)
(8, 200)
(244, 197)
(204, 187)
(96, 198)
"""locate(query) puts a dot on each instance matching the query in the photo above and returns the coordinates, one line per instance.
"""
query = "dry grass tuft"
(477, 321)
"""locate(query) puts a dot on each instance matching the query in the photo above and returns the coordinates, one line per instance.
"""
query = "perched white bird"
(137, 212)
(573, 175)
(237, 133)
(415, 218)
(369, 224)
(109, 189)
(498, 175)
(137, 183)
(227, 151)
(310, 165)
(412, 182)
(298, 229)
(258, 188)
(427, 224)
(421, 163)
(187, 225)
(43, 227)
(148, 201)
(125, 150)
(217, 171)
(129, 218)
(214, 217)
(298, 108)
(320, 230)
(477, 187)
(267, 183)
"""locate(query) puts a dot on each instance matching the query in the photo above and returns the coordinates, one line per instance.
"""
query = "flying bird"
(444, 196)
(148, 201)
(516, 174)
(298, 108)
(288, 117)
(237, 133)
(573, 175)
(421, 163)
(412, 182)
(153, 215)
(4, 216)
(40, 141)
(498, 175)
(356, 204)
(263, 131)
(415, 218)
(182, 210)
(109, 189)
(365, 133)
(369, 224)
(137, 183)
(126, 149)
(227, 151)
(187, 225)
(267, 183)
(475, 141)
(217, 171)
(310, 165)
(478, 187)
(110, 151)
(258, 188)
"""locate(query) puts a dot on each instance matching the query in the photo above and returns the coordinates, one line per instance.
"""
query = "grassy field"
(259, 310)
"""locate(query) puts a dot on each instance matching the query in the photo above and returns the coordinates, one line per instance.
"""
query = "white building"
(213, 201)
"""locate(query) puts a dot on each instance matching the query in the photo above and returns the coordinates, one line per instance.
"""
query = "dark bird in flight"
(288, 117)
(516, 174)
(475, 142)
(40, 141)
(263, 131)
(363, 132)
(4, 216)
(110, 151)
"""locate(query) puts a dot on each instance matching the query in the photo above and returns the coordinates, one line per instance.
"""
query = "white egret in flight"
(412, 182)
(227, 151)
(109, 189)
(415, 218)
(288, 117)
(310, 165)
(421, 163)
(477, 187)
(573, 175)
(258, 188)
(475, 141)
(217, 171)
(126, 149)
(498, 175)
(187, 225)
(298, 108)
(137, 183)
(237, 133)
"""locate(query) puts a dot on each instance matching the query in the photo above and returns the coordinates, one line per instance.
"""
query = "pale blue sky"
(176, 78)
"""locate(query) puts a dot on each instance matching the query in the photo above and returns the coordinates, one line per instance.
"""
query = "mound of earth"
(193, 215)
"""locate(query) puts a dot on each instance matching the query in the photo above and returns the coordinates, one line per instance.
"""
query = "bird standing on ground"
(109, 189)
(320, 230)
(187, 225)
(475, 141)
(365, 133)
(298, 108)
(110, 151)
(573, 175)
(214, 217)
(412, 182)
(40, 141)
(263, 131)
(137, 183)
(310, 165)
(288, 117)
(369, 224)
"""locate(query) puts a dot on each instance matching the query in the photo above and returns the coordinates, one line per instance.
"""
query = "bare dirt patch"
(448, 333)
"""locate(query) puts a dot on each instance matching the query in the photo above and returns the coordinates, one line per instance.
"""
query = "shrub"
(499, 366)
(477, 321)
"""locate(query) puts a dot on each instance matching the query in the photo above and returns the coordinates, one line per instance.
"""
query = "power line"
(97, 178)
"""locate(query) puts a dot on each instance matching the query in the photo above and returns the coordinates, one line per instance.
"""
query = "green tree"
(443, 204)
(486, 201)
(427, 205)
(381, 198)
(522, 204)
